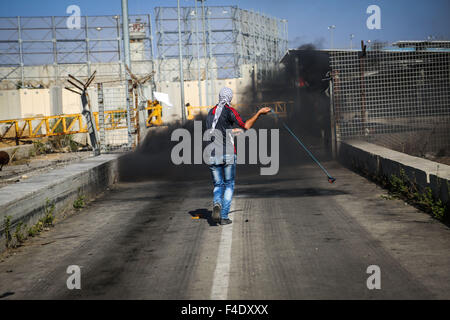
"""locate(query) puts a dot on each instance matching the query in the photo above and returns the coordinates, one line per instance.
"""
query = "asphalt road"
(294, 236)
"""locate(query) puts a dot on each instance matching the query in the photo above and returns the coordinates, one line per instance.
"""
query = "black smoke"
(302, 81)
(307, 116)
(152, 158)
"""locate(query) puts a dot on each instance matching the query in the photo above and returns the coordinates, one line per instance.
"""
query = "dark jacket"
(229, 118)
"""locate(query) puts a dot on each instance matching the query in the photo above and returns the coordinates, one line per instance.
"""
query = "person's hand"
(264, 110)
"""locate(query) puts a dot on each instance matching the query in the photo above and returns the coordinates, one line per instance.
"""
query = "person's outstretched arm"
(250, 122)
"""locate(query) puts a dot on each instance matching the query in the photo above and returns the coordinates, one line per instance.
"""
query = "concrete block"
(358, 159)
(25, 201)
(19, 152)
(371, 159)
(440, 187)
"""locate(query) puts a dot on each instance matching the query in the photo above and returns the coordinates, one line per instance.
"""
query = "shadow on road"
(204, 214)
(6, 294)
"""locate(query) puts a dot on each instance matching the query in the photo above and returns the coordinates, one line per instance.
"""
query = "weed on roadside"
(79, 202)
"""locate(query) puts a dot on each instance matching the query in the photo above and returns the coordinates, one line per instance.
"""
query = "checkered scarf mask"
(225, 97)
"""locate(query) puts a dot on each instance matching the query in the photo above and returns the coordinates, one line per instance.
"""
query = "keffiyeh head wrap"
(225, 97)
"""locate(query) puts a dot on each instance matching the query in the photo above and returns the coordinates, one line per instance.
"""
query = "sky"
(308, 20)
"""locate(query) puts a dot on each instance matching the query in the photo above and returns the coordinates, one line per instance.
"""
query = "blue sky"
(308, 19)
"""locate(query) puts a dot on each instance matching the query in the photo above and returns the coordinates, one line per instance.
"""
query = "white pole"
(126, 33)
(198, 57)
(331, 28)
(183, 111)
(204, 54)
(126, 50)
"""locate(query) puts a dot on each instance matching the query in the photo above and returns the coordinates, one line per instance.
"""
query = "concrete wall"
(56, 103)
(378, 161)
(10, 104)
(27, 103)
(22, 103)
(34, 102)
(49, 75)
(25, 201)
(239, 86)
(71, 102)
(191, 89)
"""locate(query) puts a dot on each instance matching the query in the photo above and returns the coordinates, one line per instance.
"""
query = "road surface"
(294, 236)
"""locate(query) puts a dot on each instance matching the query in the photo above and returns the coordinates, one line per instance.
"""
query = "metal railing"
(38, 127)
(46, 126)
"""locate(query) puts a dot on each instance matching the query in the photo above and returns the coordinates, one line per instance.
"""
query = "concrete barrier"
(26, 201)
(374, 160)
(19, 152)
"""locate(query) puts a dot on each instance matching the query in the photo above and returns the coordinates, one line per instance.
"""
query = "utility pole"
(126, 50)
(198, 56)
(331, 28)
(205, 54)
(183, 110)
(211, 74)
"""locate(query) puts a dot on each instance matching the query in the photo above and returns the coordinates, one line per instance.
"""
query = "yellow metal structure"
(279, 107)
(38, 127)
(193, 111)
(154, 114)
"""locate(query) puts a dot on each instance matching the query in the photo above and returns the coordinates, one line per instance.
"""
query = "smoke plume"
(298, 81)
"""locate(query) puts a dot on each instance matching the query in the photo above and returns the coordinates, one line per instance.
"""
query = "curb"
(383, 162)
(26, 201)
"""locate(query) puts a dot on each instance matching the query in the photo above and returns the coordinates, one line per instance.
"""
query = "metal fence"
(116, 133)
(217, 41)
(109, 113)
(43, 50)
(112, 117)
(396, 97)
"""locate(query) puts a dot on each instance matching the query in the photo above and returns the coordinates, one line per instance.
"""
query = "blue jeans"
(223, 178)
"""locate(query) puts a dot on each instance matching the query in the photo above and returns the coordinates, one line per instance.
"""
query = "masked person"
(223, 167)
